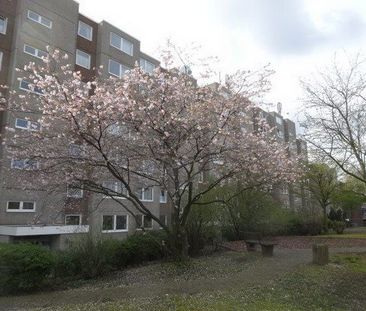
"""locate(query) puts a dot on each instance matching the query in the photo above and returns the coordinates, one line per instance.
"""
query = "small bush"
(24, 267)
(338, 226)
(90, 257)
(141, 247)
(298, 226)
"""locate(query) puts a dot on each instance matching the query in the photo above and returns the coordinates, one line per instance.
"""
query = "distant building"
(27, 27)
(291, 196)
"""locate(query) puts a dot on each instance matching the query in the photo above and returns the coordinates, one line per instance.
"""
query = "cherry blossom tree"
(160, 129)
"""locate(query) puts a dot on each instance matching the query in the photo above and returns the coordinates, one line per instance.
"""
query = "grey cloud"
(283, 26)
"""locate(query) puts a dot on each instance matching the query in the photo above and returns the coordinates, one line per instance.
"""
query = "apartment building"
(27, 27)
(291, 196)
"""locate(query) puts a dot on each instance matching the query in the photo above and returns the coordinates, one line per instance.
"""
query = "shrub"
(90, 256)
(141, 247)
(24, 267)
(338, 226)
(298, 226)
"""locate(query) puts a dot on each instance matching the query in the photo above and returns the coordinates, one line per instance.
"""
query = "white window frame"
(122, 68)
(37, 51)
(21, 127)
(165, 198)
(21, 210)
(88, 26)
(40, 19)
(29, 90)
(142, 223)
(29, 125)
(143, 199)
(120, 47)
(117, 184)
(144, 63)
(1, 59)
(200, 177)
(12, 165)
(5, 19)
(80, 53)
(115, 224)
(74, 215)
(70, 195)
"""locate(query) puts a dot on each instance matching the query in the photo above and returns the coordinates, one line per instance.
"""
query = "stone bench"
(252, 239)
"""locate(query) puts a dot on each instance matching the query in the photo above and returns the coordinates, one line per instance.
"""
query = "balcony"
(21, 230)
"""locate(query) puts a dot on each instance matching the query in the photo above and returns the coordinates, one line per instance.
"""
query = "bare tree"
(335, 105)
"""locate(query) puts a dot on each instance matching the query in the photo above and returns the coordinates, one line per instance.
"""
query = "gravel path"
(305, 242)
(219, 272)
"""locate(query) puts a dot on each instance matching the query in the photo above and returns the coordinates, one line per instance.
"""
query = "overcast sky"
(297, 37)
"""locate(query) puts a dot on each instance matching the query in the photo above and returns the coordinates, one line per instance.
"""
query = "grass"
(338, 286)
(355, 262)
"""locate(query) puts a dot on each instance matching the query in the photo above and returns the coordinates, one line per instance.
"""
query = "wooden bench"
(252, 239)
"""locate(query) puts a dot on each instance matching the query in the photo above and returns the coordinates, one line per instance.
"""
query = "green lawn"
(338, 286)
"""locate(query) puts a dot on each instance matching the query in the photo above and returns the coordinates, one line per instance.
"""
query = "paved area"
(219, 272)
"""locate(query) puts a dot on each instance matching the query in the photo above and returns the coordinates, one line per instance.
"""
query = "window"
(1, 59)
(21, 124)
(21, 206)
(114, 129)
(73, 220)
(121, 222)
(75, 151)
(115, 223)
(163, 196)
(29, 87)
(147, 222)
(280, 134)
(85, 31)
(115, 188)
(146, 65)
(143, 221)
(278, 120)
(117, 69)
(145, 194)
(27, 125)
(284, 189)
(35, 52)
(200, 177)
(118, 130)
(25, 164)
(121, 44)
(83, 59)
(3, 24)
(74, 192)
(39, 19)
(164, 219)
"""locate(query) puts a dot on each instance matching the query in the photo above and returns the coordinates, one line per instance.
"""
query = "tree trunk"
(325, 219)
(178, 243)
